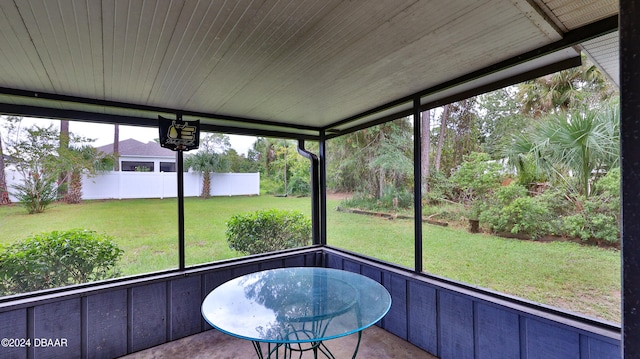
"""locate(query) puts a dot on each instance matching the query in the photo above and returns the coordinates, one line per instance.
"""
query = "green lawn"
(566, 275)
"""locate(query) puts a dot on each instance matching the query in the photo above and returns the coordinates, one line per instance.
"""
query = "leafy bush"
(440, 188)
(597, 220)
(476, 177)
(599, 215)
(269, 186)
(36, 192)
(392, 199)
(299, 186)
(268, 230)
(512, 210)
(359, 200)
(475, 180)
(609, 185)
(56, 259)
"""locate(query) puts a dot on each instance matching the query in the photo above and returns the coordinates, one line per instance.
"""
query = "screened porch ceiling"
(283, 67)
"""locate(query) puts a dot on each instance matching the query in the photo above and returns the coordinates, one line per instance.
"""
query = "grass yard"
(566, 275)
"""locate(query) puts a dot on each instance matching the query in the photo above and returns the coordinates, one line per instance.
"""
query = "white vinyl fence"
(120, 185)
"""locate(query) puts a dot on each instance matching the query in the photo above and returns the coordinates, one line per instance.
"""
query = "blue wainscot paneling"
(13, 327)
(57, 331)
(545, 340)
(595, 348)
(396, 320)
(185, 300)
(115, 319)
(422, 316)
(454, 321)
(455, 329)
(106, 316)
(500, 337)
(148, 316)
(447, 319)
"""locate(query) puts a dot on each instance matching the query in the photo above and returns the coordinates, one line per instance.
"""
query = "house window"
(137, 166)
(167, 167)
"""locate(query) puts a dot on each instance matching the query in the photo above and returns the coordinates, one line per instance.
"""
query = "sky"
(103, 133)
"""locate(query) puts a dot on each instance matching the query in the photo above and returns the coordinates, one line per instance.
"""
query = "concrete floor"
(376, 344)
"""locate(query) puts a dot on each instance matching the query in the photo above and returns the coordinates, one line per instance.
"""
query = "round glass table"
(293, 310)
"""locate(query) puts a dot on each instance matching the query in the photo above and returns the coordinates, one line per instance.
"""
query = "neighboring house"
(143, 157)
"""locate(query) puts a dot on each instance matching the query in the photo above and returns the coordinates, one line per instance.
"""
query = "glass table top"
(296, 305)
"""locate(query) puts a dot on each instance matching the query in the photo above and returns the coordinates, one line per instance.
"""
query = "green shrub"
(441, 188)
(609, 184)
(36, 192)
(512, 210)
(267, 231)
(599, 215)
(476, 178)
(56, 259)
(395, 198)
(392, 199)
(597, 220)
(299, 186)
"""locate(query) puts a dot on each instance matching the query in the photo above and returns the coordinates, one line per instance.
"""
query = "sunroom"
(310, 71)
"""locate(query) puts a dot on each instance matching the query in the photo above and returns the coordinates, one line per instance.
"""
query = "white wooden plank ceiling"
(303, 62)
(571, 14)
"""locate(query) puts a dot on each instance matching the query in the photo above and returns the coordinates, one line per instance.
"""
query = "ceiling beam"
(139, 107)
(96, 117)
(571, 38)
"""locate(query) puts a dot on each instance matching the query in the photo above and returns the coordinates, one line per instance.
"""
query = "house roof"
(131, 147)
(290, 67)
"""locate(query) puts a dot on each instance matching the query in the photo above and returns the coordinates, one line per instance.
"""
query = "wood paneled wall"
(108, 321)
(114, 320)
(455, 323)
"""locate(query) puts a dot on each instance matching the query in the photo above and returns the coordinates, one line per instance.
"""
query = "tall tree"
(372, 159)
(425, 150)
(444, 117)
(499, 119)
(4, 193)
(116, 147)
(263, 152)
(64, 145)
(582, 86)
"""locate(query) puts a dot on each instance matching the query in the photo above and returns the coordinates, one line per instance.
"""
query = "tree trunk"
(64, 144)
(74, 194)
(425, 150)
(381, 173)
(474, 226)
(443, 130)
(206, 185)
(116, 147)
(4, 193)
(380, 183)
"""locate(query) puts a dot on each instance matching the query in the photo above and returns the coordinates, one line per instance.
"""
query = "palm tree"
(572, 146)
(77, 160)
(580, 86)
(205, 163)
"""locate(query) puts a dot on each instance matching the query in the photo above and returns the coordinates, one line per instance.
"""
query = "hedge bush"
(511, 210)
(56, 259)
(267, 231)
